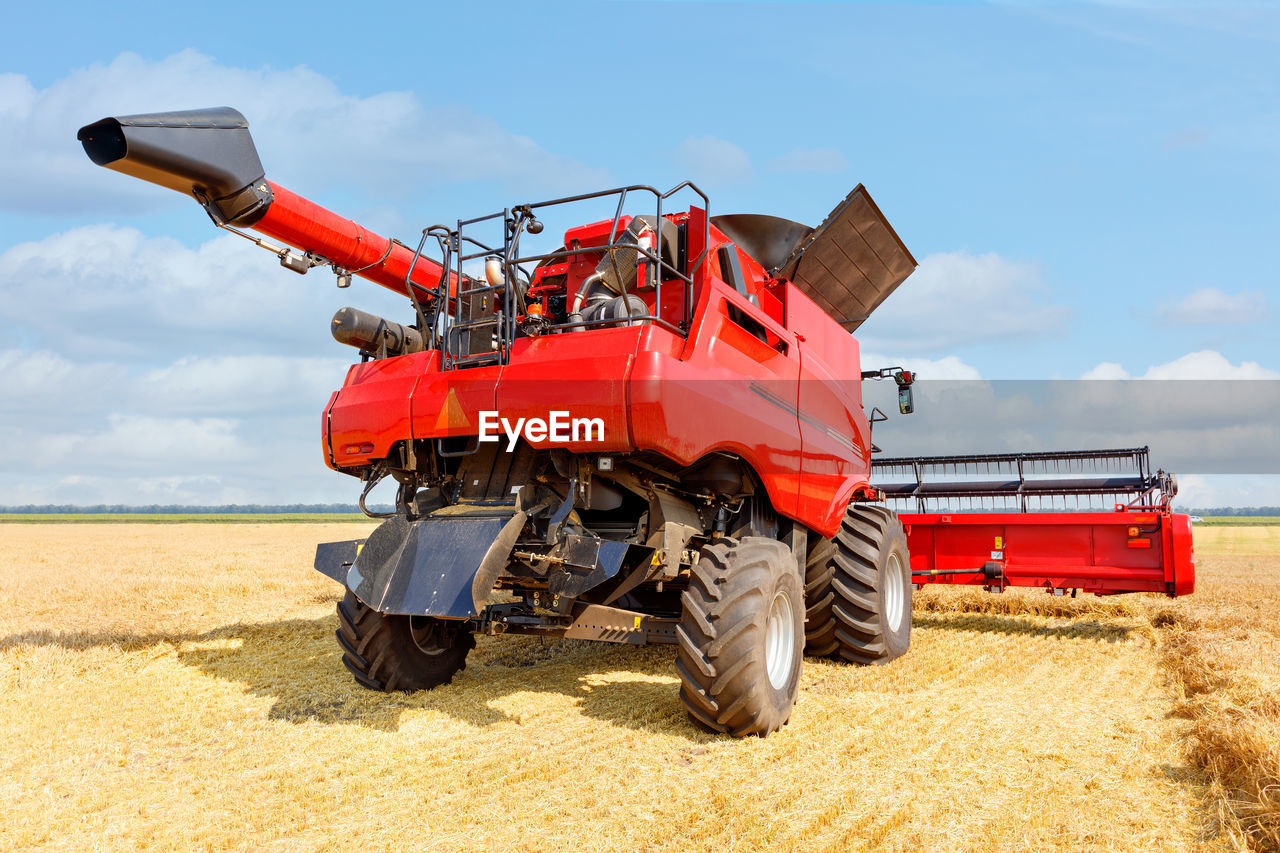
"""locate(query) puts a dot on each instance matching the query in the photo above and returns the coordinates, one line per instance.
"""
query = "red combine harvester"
(649, 431)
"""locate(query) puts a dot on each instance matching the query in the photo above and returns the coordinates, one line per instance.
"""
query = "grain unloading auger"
(651, 431)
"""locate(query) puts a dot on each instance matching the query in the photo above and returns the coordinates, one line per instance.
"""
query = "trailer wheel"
(741, 637)
(858, 589)
(391, 652)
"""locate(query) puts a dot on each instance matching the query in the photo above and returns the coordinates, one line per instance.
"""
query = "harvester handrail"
(452, 242)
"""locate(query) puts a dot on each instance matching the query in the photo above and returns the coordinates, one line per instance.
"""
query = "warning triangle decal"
(451, 415)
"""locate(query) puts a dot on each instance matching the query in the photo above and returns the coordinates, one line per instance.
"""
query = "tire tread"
(841, 587)
(721, 635)
(379, 651)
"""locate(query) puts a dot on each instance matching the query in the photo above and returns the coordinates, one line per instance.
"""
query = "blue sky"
(1091, 190)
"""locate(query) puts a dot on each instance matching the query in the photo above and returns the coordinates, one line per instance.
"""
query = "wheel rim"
(426, 635)
(894, 593)
(779, 640)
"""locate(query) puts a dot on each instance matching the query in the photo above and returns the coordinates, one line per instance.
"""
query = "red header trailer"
(1143, 550)
(1140, 546)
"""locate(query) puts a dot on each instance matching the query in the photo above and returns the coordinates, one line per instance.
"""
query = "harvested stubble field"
(179, 686)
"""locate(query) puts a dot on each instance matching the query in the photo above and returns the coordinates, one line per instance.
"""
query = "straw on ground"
(179, 685)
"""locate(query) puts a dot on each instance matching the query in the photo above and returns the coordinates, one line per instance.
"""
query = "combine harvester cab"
(650, 430)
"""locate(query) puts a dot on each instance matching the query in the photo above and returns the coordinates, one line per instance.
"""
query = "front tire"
(391, 652)
(741, 637)
(858, 589)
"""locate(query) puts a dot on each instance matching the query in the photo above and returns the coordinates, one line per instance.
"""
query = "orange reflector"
(1139, 543)
(1133, 531)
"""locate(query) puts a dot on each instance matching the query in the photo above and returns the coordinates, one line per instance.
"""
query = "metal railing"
(461, 312)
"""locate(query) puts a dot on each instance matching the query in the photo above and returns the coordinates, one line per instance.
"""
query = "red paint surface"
(306, 225)
(719, 389)
(1089, 551)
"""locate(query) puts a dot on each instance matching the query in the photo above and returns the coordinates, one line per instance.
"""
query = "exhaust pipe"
(207, 154)
(372, 334)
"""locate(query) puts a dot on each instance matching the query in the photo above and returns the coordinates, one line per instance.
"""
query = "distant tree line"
(181, 509)
(1235, 510)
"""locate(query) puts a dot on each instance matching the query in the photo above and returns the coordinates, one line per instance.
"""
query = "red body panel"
(726, 391)
(1145, 550)
(587, 379)
(373, 407)
(837, 445)
(720, 389)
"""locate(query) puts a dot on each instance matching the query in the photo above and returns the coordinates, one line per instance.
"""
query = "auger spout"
(209, 155)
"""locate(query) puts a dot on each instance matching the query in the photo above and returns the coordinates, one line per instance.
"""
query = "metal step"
(474, 360)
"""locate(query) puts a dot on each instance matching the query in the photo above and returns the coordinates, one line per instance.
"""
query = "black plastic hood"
(208, 154)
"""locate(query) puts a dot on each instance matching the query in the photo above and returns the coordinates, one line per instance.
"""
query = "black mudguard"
(334, 559)
(443, 565)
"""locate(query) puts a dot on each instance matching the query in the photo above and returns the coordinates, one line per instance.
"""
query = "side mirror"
(903, 378)
(906, 405)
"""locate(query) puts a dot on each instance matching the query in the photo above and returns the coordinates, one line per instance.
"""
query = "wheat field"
(178, 686)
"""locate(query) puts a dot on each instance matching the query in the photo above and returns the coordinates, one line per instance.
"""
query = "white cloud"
(121, 440)
(243, 383)
(309, 133)
(221, 429)
(129, 490)
(43, 381)
(115, 295)
(1205, 364)
(811, 160)
(1106, 370)
(143, 371)
(1211, 307)
(710, 160)
(148, 456)
(1195, 490)
(957, 298)
(129, 487)
(133, 438)
(1221, 427)
(51, 391)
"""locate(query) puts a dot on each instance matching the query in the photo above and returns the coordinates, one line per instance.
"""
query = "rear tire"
(392, 652)
(858, 589)
(741, 637)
